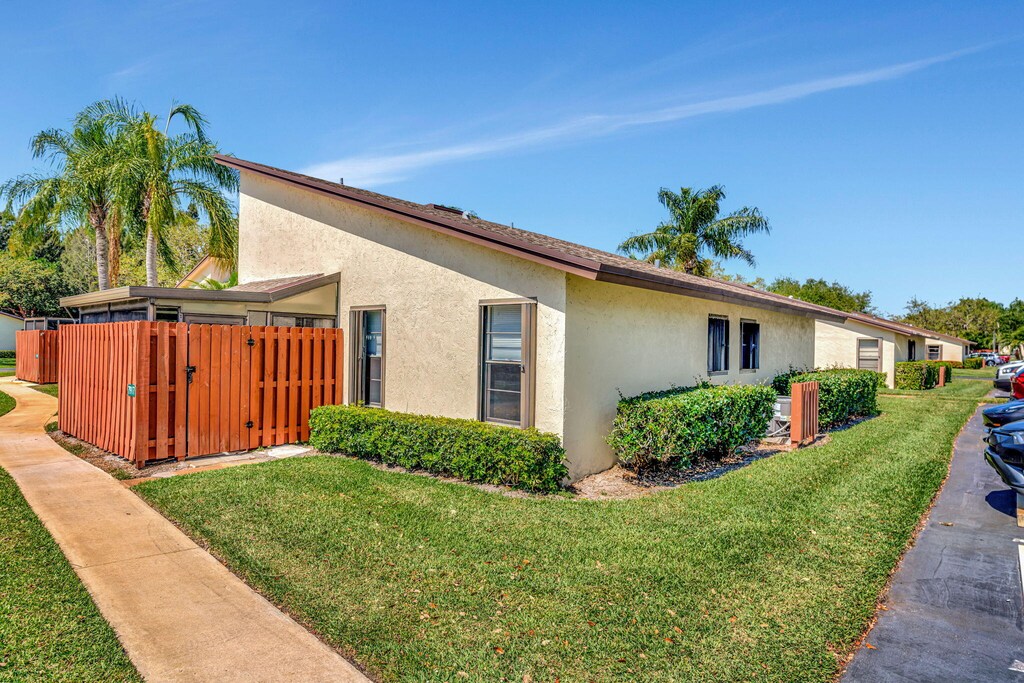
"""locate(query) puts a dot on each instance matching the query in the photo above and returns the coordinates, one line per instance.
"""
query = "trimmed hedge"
(918, 375)
(949, 364)
(974, 363)
(6, 354)
(678, 424)
(842, 393)
(467, 449)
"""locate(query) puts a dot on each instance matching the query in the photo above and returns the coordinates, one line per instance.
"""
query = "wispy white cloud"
(379, 169)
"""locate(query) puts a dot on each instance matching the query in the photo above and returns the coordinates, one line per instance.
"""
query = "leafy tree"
(823, 293)
(1011, 326)
(30, 287)
(6, 227)
(160, 175)
(975, 319)
(694, 230)
(79, 190)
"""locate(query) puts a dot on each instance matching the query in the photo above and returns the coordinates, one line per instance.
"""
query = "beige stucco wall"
(950, 350)
(629, 340)
(835, 345)
(593, 339)
(8, 326)
(431, 285)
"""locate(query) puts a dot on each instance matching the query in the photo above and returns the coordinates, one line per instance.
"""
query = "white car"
(1005, 372)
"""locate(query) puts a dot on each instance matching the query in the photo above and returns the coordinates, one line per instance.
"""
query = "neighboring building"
(872, 343)
(209, 268)
(451, 315)
(9, 324)
(302, 301)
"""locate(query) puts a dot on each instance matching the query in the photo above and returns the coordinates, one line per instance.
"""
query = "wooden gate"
(255, 386)
(151, 391)
(35, 356)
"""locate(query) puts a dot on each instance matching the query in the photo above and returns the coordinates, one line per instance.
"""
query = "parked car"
(1008, 443)
(1005, 373)
(997, 416)
(1017, 384)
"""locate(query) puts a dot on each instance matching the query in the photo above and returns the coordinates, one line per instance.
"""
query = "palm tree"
(694, 229)
(78, 192)
(159, 174)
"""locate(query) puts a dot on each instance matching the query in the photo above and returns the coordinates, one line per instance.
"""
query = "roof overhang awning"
(263, 291)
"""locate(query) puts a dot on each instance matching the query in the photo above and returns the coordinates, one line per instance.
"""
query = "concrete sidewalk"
(181, 615)
(954, 608)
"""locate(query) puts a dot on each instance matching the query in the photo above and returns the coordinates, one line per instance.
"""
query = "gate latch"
(250, 341)
(189, 371)
(248, 425)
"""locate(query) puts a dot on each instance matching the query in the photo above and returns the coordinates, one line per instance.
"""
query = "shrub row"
(467, 449)
(6, 354)
(678, 424)
(974, 363)
(842, 393)
(949, 365)
(917, 375)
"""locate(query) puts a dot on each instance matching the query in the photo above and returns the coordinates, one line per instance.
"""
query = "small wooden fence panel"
(255, 386)
(35, 356)
(151, 391)
(804, 420)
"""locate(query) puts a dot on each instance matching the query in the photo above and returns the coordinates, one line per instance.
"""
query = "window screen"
(750, 351)
(718, 345)
(869, 356)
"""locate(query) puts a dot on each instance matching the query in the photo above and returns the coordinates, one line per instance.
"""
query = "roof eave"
(577, 265)
(653, 282)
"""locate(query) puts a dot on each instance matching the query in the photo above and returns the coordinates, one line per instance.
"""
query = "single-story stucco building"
(872, 343)
(447, 314)
(9, 324)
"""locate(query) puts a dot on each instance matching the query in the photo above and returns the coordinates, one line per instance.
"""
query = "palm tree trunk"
(114, 238)
(151, 275)
(97, 217)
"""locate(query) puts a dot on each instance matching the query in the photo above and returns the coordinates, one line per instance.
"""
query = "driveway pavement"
(180, 614)
(954, 608)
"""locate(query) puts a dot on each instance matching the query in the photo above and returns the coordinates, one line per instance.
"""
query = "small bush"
(918, 375)
(948, 364)
(974, 363)
(842, 393)
(467, 449)
(678, 424)
(7, 354)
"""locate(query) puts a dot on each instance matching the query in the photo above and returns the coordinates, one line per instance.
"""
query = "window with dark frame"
(911, 349)
(506, 363)
(368, 366)
(718, 344)
(750, 345)
(934, 353)
(295, 320)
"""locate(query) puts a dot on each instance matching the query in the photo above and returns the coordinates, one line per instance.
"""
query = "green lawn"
(6, 404)
(985, 373)
(770, 572)
(963, 389)
(49, 628)
(51, 389)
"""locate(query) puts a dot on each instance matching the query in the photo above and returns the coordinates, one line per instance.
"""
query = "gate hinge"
(189, 371)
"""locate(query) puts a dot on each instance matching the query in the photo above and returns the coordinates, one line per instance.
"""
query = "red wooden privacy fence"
(149, 391)
(804, 420)
(35, 356)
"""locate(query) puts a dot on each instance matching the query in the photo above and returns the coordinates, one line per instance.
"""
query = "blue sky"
(884, 144)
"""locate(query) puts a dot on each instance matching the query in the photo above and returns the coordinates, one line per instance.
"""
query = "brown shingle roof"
(274, 285)
(568, 256)
(903, 328)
